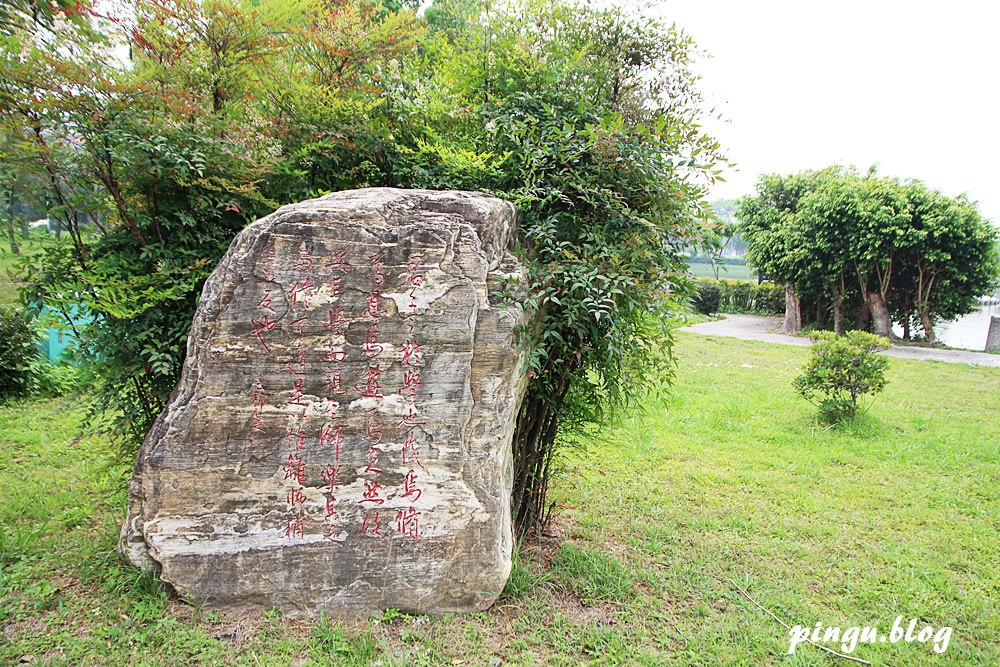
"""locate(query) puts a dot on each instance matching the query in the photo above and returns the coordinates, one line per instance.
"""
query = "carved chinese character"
(266, 301)
(370, 525)
(296, 496)
(372, 348)
(333, 381)
(412, 353)
(406, 522)
(336, 321)
(263, 324)
(374, 299)
(331, 434)
(411, 451)
(295, 528)
(370, 494)
(295, 469)
(378, 260)
(329, 476)
(372, 387)
(305, 261)
(299, 288)
(338, 261)
(410, 489)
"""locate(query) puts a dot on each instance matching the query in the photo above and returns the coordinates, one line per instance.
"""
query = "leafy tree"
(779, 246)
(588, 121)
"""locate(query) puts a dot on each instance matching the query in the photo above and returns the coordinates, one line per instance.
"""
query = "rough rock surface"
(340, 437)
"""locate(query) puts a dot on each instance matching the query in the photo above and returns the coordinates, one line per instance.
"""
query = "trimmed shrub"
(740, 296)
(840, 371)
(707, 297)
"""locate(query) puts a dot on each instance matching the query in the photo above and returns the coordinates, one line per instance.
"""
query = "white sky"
(909, 85)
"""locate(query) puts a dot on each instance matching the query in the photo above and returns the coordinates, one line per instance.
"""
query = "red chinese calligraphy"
(298, 289)
(329, 476)
(338, 356)
(305, 261)
(372, 387)
(263, 324)
(370, 525)
(372, 348)
(333, 381)
(411, 451)
(266, 301)
(370, 494)
(338, 261)
(295, 528)
(295, 397)
(331, 435)
(412, 353)
(410, 487)
(407, 522)
(336, 320)
(295, 469)
(296, 497)
(374, 299)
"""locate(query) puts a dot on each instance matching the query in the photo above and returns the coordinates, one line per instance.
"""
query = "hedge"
(738, 296)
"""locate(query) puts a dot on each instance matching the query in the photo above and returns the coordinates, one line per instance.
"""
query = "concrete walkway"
(756, 327)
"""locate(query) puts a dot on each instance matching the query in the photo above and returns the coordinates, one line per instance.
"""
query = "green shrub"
(19, 353)
(841, 370)
(707, 297)
(740, 296)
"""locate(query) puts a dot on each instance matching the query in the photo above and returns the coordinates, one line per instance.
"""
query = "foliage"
(841, 369)
(588, 120)
(707, 296)
(19, 353)
(739, 296)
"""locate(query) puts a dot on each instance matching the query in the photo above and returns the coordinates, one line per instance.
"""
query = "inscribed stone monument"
(340, 437)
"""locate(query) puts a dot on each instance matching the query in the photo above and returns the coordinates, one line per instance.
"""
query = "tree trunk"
(793, 313)
(906, 329)
(11, 238)
(880, 314)
(820, 314)
(10, 224)
(927, 322)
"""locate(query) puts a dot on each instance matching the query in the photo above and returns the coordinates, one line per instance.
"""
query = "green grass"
(727, 270)
(9, 280)
(895, 514)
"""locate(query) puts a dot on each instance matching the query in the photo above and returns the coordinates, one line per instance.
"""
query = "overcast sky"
(909, 85)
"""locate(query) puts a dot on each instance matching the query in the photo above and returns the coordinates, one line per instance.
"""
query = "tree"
(779, 244)
(588, 121)
(909, 251)
(954, 262)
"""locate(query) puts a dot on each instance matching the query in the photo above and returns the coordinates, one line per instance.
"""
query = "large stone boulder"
(340, 439)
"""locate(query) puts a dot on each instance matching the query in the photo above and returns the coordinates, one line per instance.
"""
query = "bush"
(707, 297)
(19, 353)
(842, 369)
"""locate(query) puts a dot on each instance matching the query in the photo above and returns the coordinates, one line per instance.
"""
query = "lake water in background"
(968, 333)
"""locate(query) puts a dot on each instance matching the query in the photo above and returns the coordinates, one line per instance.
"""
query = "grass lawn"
(8, 279)
(897, 515)
(728, 270)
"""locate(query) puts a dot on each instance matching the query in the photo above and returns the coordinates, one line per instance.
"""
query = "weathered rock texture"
(340, 437)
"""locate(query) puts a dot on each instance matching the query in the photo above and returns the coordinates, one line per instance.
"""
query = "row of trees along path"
(866, 248)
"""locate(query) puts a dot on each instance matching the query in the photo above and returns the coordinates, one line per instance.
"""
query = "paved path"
(756, 327)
